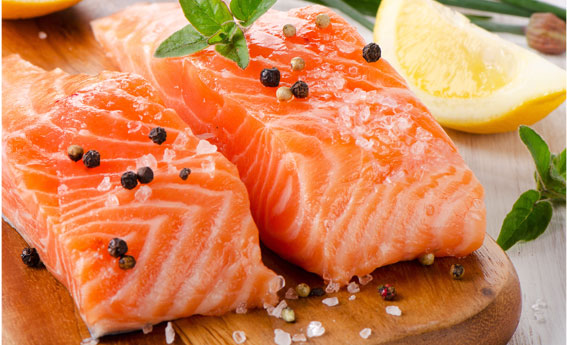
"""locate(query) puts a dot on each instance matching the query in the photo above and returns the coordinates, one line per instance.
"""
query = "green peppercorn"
(126, 262)
(288, 315)
(289, 30)
(30, 257)
(117, 247)
(75, 152)
(300, 89)
(129, 180)
(318, 292)
(297, 63)
(91, 159)
(371, 52)
(322, 21)
(303, 290)
(457, 271)
(145, 175)
(387, 291)
(270, 77)
(184, 173)
(427, 259)
(284, 94)
(158, 135)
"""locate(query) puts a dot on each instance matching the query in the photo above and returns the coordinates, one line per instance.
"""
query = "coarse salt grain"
(330, 302)
(143, 194)
(365, 333)
(393, 310)
(315, 329)
(168, 155)
(204, 147)
(352, 298)
(291, 294)
(298, 337)
(332, 287)
(104, 184)
(89, 341)
(147, 328)
(365, 279)
(241, 308)
(276, 284)
(169, 333)
(208, 166)
(281, 337)
(42, 35)
(111, 201)
(239, 337)
(353, 287)
(147, 161)
(277, 311)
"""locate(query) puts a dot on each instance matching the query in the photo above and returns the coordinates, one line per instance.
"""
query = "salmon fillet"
(356, 176)
(195, 242)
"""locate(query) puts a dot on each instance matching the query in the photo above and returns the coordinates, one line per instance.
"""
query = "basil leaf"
(527, 220)
(249, 10)
(236, 50)
(183, 42)
(207, 16)
(539, 150)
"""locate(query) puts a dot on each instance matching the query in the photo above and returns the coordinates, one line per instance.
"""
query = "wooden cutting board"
(483, 308)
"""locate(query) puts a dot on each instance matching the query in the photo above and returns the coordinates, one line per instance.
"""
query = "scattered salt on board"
(169, 333)
(315, 329)
(393, 310)
(365, 333)
(281, 337)
(331, 301)
(239, 337)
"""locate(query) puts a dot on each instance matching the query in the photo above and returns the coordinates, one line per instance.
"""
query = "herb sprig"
(532, 212)
(213, 23)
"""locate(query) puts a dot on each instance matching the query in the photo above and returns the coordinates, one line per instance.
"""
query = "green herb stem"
(537, 6)
(350, 11)
(489, 6)
(498, 27)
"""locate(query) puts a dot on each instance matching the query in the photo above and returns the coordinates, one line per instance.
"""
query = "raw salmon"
(195, 242)
(355, 176)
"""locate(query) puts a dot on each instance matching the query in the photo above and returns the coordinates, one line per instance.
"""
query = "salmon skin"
(356, 176)
(195, 243)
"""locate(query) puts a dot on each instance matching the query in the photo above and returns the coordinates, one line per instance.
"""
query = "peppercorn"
(75, 152)
(371, 52)
(289, 30)
(129, 180)
(126, 262)
(270, 77)
(91, 159)
(317, 292)
(427, 259)
(117, 247)
(457, 271)
(184, 173)
(302, 290)
(288, 315)
(158, 135)
(30, 257)
(387, 291)
(300, 89)
(297, 63)
(145, 175)
(284, 94)
(322, 21)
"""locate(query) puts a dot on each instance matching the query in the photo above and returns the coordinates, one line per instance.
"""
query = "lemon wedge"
(20, 9)
(470, 79)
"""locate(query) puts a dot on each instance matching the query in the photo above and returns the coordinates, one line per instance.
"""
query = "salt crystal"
(205, 136)
(393, 310)
(331, 301)
(364, 143)
(62, 189)
(298, 337)
(353, 70)
(281, 337)
(539, 304)
(365, 279)
(147, 328)
(208, 166)
(143, 194)
(291, 294)
(539, 317)
(89, 341)
(42, 35)
(344, 46)
(134, 126)
(241, 308)
(315, 329)
(169, 333)
(337, 82)
(277, 311)
(147, 161)
(111, 201)
(204, 147)
(352, 298)
(168, 155)
(104, 184)
(181, 141)
(332, 287)
(239, 337)
(365, 333)
(276, 284)
(353, 287)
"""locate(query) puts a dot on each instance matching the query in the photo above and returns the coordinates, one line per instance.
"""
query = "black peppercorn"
(129, 180)
(300, 89)
(184, 173)
(270, 77)
(91, 159)
(126, 262)
(457, 271)
(75, 152)
(371, 52)
(387, 291)
(317, 292)
(145, 175)
(117, 247)
(158, 135)
(30, 257)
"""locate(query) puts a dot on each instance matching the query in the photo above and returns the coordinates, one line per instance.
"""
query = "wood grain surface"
(501, 163)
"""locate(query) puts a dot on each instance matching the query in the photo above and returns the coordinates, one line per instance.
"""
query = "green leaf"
(527, 220)
(183, 42)
(237, 50)
(539, 150)
(249, 10)
(225, 35)
(207, 16)
(557, 170)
